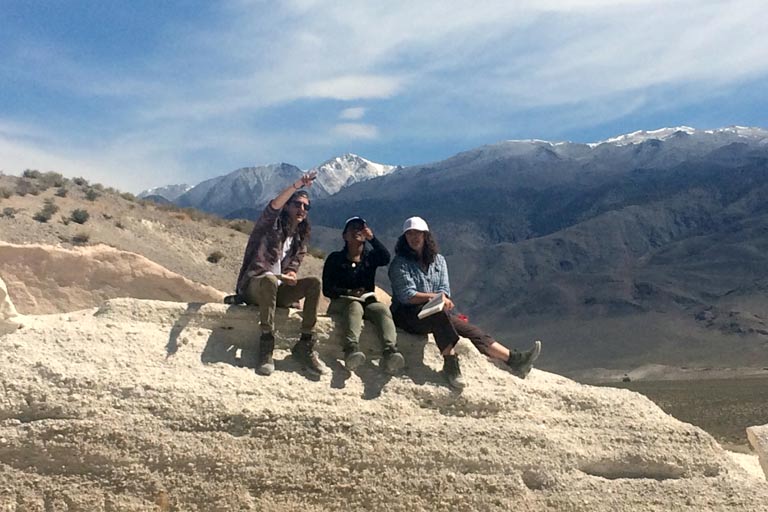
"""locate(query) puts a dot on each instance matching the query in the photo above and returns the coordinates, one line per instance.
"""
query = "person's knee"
(313, 284)
(354, 310)
(379, 309)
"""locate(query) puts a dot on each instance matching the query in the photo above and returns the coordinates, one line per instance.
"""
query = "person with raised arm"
(268, 277)
(349, 281)
(418, 274)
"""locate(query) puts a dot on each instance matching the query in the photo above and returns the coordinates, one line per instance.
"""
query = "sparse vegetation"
(10, 212)
(53, 179)
(119, 225)
(24, 187)
(128, 196)
(81, 238)
(80, 181)
(215, 256)
(80, 216)
(31, 174)
(91, 194)
(241, 225)
(45, 214)
(5, 193)
(61, 192)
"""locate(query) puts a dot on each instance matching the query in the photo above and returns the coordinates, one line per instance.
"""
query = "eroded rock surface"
(758, 438)
(46, 279)
(142, 405)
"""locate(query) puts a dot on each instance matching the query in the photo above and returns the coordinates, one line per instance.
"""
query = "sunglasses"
(303, 206)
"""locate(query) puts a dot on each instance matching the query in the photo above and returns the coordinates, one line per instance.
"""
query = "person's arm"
(379, 254)
(403, 285)
(283, 197)
(444, 286)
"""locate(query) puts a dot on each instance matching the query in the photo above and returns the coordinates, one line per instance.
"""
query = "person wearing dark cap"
(348, 280)
(275, 250)
(418, 274)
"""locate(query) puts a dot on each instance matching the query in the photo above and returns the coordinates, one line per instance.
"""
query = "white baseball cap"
(416, 223)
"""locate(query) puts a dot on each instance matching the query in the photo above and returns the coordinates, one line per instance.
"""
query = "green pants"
(268, 295)
(353, 313)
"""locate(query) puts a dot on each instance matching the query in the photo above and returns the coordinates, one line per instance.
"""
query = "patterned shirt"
(408, 278)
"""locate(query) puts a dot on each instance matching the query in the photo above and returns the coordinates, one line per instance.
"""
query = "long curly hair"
(428, 253)
(304, 229)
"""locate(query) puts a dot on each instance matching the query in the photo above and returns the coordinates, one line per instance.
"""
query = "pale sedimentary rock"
(9, 317)
(758, 438)
(144, 405)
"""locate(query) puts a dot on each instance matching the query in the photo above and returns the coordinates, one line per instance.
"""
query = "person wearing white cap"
(418, 273)
(349, 281)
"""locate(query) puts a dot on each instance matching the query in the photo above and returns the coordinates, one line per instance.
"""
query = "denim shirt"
(408, 278)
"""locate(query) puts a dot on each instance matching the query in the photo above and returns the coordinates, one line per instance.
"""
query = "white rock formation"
(9, 317)
(141, 405)
(758, 438)
(47, 279)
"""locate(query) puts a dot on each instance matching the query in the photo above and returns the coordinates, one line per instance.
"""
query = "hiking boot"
(266, 364)
(453, 372)
(392, 361)
(353, 358)
(521, 362)
(303, 352)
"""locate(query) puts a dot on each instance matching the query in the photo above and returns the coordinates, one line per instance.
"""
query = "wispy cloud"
(256, 81)
(352, 113)
(357, 130)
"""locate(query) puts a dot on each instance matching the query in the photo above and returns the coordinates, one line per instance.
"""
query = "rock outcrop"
(46, 279)
(144, 405)
(758, 438)
(8, 315)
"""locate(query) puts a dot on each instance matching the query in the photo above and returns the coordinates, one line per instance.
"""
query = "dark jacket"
(264, 248)
(340, 277)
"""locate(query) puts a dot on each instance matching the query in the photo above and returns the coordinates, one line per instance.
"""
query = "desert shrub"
(42, 216)
(80, 238)
(91, 194)
(316, 252)
(53, 179)
(10, 212)
(119, 224)
(5, 193)
(45, 214)
(80, 216)
(98, 186)
(241, 225)
(24, 187)
(32, 174)
(80, 181)
(61, 192)
(128, 196)
(215, 256)
(106, 216)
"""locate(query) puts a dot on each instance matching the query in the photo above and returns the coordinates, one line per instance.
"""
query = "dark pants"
(445, 327)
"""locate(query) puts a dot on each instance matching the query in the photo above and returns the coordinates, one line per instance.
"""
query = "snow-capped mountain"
(343, 171)
(244, 192)
(170, 192)
(666, 133)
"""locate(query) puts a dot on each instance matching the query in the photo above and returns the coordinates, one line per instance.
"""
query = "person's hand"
(305, 180)
(448, 303)
(289, 278)
(357, 292)
(366, 233)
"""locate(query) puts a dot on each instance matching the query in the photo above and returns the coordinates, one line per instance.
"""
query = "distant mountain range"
(650, 247)
(244, 192)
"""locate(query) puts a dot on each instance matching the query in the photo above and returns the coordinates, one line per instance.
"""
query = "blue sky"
(137, 94)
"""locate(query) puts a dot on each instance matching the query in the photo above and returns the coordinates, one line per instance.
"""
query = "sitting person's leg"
(263, 291)
(351, 315)
(381, 317)
(307, 288)
(520, 362)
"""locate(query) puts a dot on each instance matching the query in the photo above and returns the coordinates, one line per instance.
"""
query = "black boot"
(453, 372)
(303, 351)
(521, 362)
(392, 361)
(353, 358)
(266, 364)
